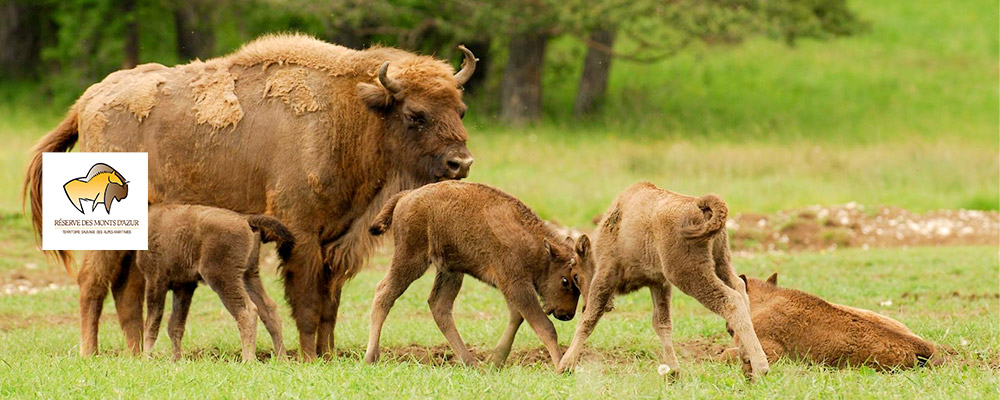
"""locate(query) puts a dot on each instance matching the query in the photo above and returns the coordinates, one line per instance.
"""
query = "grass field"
(905, 115)
(946, 295)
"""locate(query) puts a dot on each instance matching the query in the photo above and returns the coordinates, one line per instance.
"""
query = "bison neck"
(368, 179)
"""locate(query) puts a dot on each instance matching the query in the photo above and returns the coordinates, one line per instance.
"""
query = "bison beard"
(316, 135)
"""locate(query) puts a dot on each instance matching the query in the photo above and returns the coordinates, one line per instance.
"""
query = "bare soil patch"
(852, 225)
(33, 279)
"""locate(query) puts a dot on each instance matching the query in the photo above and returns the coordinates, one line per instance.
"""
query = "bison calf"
(657, 239)
(467, 228)
(189, 243)
(800, 325)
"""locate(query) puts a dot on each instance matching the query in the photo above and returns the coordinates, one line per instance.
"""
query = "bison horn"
(468, 66)
(387, 83)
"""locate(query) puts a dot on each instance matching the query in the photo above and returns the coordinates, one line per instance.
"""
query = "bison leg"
(268, 311)
(523, 300)
(442, 301)
(406, 267)
(507, 340)
(128, 292)
(178, 317)
(772, 349)
(156, 295)
(598, 302)
(724, 267)
(302, 290)
(328, 321)
(94, 283)
(664, 326)
(699, 280)
(232, 292)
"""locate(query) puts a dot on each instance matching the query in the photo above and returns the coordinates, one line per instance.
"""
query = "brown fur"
(321, 149)
(659, 239)
(799, 325)
(191, 243)
(477, 230)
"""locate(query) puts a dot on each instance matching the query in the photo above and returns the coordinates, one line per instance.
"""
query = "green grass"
(905, 115)
(38, 343)
(926, 70)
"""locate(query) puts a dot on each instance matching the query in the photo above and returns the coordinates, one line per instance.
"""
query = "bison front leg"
(523, 300)
(602, 290)
(303, 272)
(328, 321)
(128, 291)
(663, 326)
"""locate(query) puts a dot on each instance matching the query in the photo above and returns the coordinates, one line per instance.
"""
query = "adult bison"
(314, 134)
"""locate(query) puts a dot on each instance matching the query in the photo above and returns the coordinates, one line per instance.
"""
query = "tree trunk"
(596, 68)
(481, 48)
(521, 85)
(20, 38)
(192, 24)
(131, 58)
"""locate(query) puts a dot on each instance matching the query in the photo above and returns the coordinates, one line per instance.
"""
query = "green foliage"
(796, 19)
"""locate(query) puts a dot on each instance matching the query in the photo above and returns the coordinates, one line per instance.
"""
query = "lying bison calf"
(657, 238)
(467, 228)
(799, 325)
(189, 243)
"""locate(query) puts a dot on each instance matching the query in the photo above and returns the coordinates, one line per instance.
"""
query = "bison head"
(562, 288)
(422, 111)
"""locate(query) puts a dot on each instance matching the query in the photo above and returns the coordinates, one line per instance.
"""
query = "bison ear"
(744, 278)
(773, 279)
(375, 97)
(551, 250)
(583, 246)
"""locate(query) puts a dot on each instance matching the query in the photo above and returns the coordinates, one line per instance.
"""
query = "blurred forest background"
(776, 104)
(70, 44)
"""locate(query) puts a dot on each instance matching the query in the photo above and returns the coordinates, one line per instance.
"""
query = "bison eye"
(576, 279)
(565, 282)
(415, 120)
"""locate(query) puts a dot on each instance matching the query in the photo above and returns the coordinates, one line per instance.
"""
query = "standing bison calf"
(188, 243)
(467, 228)
(657, 238)
(799, 325)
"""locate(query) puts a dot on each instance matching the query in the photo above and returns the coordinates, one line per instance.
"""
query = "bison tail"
(714, 210)
(59, 140)
(272, 230)
(384, 218)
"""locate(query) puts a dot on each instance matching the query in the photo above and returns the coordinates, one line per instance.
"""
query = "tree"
(596, 70)
(193, 27)
(22, 37)
(131, 56)
(658, 30)
(521, 88)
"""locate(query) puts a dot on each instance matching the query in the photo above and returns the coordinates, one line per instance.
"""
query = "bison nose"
(458, 167)
(564, 316)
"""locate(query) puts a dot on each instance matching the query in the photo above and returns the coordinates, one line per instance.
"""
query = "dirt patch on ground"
(852, 225)
(34, 279)
(696, 350)
(9, 322)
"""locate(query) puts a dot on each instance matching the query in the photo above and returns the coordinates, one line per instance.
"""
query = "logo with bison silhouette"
(94, 183)
(102, 185)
